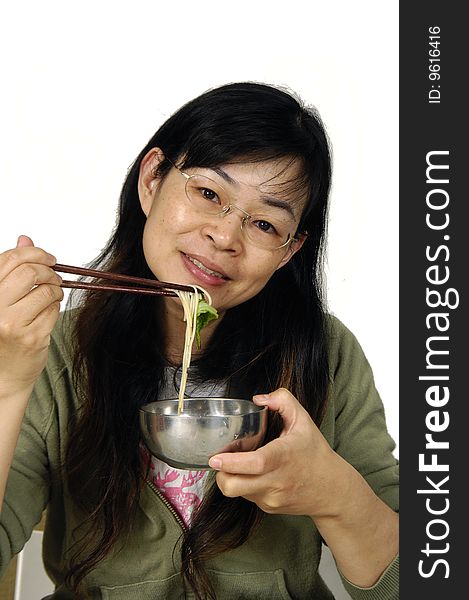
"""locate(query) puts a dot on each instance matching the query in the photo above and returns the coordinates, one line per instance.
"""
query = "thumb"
(24, 240)
(285, 403)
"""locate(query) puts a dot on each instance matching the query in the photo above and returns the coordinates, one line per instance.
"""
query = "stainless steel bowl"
(207, 426)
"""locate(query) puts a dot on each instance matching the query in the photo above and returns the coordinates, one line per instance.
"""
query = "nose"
(224, 230)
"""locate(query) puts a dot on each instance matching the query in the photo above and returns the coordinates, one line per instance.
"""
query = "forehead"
(267, 173)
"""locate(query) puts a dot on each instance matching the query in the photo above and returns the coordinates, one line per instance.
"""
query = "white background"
(86, 84)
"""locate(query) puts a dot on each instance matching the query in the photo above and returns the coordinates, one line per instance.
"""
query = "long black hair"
(276, 338)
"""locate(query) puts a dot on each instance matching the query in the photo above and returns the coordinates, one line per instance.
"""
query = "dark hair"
(276, 339)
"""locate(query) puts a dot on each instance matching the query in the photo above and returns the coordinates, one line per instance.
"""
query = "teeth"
(204, 268)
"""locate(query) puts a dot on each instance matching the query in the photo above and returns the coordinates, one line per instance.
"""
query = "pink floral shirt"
(183, 489)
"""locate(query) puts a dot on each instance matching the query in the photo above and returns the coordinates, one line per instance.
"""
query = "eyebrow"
(277, 203)
(269, 200)
(223, 174)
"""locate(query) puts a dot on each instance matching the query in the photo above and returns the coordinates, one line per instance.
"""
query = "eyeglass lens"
(266, 228)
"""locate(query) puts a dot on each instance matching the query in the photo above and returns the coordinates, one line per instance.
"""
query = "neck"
(175, 332)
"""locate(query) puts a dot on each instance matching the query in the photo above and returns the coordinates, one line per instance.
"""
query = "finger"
(233, 486)
(36, 336)
(257, 462)
(11, 259)
(285, 403)
(268, 492)
(44, 323)
(26, 310)
(20, 282)
(24, 240)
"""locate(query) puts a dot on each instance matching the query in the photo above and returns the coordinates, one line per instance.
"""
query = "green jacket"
(279, 561)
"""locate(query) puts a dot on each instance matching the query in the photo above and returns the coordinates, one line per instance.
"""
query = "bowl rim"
(257, 409)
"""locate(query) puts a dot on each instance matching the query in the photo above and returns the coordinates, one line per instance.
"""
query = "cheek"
(165, 224)
(262, 269)
(256, 277)
(166, 218)
(152, 247)
(156, 233)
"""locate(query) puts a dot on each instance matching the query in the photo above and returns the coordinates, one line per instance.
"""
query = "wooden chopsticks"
(143, 286)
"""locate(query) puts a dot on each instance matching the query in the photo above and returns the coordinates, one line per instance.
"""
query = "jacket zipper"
(177, 518)
(168, 505)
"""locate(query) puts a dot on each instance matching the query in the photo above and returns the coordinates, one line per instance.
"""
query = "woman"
(229, 194)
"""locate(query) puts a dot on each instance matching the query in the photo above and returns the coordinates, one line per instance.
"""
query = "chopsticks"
(151, 286)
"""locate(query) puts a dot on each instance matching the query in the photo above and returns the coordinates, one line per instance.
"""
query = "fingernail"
(215, 463)
(261, 399)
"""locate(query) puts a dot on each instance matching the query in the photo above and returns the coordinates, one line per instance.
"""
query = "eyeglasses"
(270, 231)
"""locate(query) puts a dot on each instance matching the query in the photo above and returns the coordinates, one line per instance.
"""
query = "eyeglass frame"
(225, 210)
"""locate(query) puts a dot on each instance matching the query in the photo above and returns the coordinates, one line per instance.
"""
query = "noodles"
(190, 304)
(189, 301)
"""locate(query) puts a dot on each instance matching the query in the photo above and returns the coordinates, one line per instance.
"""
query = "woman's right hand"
(30, 296)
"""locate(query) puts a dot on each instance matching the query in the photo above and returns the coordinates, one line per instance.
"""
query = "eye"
(204, 192)
(265, 227)
(209, 195)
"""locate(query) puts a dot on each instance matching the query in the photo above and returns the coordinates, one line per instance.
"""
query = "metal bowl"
(207, 426)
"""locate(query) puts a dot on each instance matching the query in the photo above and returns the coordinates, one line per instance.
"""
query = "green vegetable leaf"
(205, 314)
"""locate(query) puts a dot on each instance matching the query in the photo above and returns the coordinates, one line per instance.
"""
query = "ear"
(293, 249)
(148, 178)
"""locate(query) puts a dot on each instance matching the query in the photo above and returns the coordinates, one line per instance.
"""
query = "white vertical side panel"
(32, 581)
(328, 571)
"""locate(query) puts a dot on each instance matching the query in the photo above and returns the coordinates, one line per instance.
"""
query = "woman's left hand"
(298, 473)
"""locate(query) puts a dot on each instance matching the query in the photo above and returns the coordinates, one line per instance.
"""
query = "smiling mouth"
(205, 269)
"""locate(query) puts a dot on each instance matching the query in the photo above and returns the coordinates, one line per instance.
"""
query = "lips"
(204, 269)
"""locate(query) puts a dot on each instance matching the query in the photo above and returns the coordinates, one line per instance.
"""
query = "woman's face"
(181, 245)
